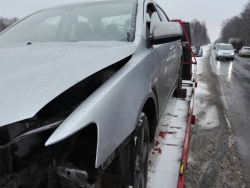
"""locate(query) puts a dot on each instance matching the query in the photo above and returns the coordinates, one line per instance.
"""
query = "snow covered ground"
(211, 120)
(165, 157)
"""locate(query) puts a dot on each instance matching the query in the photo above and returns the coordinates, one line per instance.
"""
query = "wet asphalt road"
(235, 86)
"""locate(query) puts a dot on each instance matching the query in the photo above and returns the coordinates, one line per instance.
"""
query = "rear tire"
(217, 58)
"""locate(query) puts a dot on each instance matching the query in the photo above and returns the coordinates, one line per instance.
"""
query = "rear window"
(246, 48)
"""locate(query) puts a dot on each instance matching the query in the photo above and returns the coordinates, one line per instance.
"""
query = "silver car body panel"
(115, 106)
(33, 75)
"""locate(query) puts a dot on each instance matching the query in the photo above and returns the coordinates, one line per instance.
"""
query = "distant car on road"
(244, 51)
(224, 51)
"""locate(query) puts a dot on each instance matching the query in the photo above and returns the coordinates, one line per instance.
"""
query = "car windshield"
(226, 47)
(92, 21)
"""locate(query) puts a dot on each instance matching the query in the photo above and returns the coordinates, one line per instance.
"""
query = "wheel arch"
(151, 110)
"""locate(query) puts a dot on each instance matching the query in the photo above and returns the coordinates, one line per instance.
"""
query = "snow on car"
(82, 89)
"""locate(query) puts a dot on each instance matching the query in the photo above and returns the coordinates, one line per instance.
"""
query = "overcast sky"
(213, 12)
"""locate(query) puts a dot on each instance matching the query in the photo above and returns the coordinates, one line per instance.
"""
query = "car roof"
(226, 44)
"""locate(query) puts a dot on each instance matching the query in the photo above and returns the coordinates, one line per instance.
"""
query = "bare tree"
(6, 22)
(199, 34)
(237, 26)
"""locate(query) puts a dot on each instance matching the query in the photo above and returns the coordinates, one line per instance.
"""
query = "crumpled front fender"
(114, 107)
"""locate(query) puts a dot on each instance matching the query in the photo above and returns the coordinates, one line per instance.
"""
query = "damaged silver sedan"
(82, 89)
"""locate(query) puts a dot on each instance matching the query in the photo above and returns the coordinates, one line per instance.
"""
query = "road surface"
(235, 84)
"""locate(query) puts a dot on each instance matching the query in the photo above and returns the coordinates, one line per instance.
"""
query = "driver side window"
(162, 14)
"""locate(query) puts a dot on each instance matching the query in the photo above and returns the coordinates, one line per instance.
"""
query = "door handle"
(171, 47)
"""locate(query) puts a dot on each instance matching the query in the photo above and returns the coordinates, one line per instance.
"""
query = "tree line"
(198, 32)
(6, 22)
(237, 26)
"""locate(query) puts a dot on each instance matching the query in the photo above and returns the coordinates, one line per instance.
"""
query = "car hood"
(226, 51)
(33, 75)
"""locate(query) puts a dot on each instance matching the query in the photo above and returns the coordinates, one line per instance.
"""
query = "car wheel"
(132, 161)
(141, 153)
(217, 58)
(232, 58)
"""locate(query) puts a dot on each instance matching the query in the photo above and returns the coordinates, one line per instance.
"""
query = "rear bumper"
(247, 54)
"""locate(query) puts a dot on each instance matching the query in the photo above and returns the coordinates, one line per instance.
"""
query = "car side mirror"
(164, 32)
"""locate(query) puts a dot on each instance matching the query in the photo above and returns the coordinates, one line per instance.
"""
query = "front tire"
(132, 162)
(141, 153)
